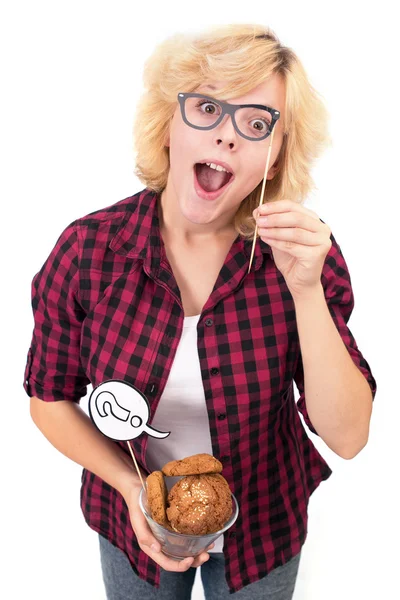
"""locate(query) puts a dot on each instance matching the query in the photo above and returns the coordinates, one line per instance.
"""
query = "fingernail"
(154, 547)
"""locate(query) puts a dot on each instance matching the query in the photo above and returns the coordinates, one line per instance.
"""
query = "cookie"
(192, 465)
(157, 497)
(199, 504)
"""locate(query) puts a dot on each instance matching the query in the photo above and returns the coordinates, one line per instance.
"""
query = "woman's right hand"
(149, 544)
(64, 422)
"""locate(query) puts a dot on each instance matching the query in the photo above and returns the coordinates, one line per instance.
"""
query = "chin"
(197, 211)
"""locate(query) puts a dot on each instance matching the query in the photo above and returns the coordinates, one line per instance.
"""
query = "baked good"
(157, 497)
(197, 464)
(199, 504)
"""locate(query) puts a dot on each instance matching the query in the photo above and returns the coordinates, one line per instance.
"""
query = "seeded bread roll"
(199, 504)
(192, 465)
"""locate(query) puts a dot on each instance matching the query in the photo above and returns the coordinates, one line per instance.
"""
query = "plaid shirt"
(106, 306)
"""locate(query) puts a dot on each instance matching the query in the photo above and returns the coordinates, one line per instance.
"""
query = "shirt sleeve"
(336, 282)
(53, 369)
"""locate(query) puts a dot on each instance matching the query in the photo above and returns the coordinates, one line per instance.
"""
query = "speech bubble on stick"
(121, 412)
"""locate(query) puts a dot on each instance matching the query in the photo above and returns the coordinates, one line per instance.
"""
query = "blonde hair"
(243, 56)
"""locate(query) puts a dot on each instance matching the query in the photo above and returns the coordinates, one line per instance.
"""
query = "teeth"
(217, 167)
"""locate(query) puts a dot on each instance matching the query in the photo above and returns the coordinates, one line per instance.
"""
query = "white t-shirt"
(182, 410)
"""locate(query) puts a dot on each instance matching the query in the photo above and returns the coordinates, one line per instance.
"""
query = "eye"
(262, 122)
(212, 105)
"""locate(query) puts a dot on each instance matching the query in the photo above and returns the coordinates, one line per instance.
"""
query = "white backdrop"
(70, 77)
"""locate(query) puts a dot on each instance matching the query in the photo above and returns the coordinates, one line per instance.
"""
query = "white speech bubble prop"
(120, 411)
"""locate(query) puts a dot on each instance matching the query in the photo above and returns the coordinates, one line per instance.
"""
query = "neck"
(176, 228)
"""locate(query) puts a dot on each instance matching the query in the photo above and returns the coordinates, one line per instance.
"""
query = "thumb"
(144, 534)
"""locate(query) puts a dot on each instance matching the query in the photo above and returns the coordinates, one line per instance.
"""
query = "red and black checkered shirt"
(106, 305)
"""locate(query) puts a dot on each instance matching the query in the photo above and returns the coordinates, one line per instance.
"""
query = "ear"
(272, 172)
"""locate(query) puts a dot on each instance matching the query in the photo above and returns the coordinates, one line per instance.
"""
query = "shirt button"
(209, 322)
(214, 371)
(221, 416)
(151, 389)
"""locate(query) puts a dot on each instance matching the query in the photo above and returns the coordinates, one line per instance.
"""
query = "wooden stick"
(261, 197)
(136, 465)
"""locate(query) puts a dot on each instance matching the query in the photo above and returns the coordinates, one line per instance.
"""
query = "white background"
(70, 78)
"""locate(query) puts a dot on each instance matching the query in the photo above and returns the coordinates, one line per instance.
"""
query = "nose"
(227, 129)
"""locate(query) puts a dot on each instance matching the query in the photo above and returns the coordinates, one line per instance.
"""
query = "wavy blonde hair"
(243, 56)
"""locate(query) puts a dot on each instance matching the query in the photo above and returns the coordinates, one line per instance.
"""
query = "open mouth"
(210, 180)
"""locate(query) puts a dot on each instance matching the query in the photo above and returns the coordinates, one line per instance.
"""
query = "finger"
(152, 547)
(290, 219)
(297, 250)
(170, 564)
(142, 531)
(292, 234)
(201, 559)
(146, 539)
(281, 206)
(210, 546)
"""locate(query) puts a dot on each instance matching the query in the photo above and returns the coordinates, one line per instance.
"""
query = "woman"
(156, 290)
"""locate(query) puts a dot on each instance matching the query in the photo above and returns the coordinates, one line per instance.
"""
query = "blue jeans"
(122, 583)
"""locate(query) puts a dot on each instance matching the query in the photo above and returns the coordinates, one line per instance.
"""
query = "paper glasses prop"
(120, 412)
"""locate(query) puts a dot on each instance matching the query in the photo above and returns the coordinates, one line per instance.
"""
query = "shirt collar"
(139, 236)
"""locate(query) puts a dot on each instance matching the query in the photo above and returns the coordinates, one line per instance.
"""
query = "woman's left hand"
(299, 242)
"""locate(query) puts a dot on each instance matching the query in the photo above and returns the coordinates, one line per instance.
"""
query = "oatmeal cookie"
(199, 504)
(157, 497)
(193, 465)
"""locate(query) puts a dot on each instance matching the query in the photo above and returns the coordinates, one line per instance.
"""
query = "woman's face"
(247, 159)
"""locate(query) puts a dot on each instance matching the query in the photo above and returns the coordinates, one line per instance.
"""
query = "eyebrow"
(212, 87)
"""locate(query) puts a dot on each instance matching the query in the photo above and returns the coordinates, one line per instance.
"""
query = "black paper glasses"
(254, 122)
